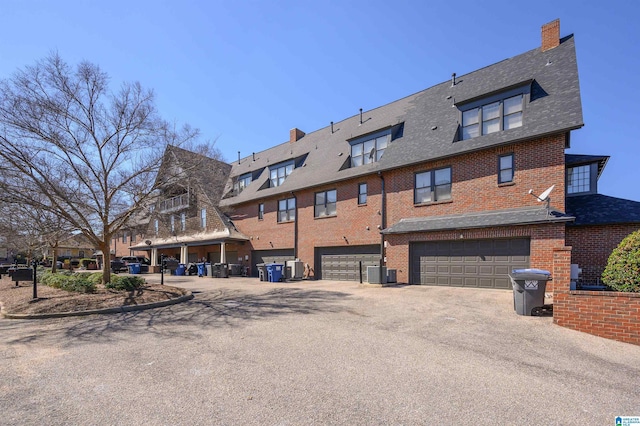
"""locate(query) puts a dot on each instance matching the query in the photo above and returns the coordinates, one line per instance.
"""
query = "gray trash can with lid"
(529, 286)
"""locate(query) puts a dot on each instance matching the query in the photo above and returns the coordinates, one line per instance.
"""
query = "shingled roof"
(598, 209)
(509, 217)
(573, 160)
(430, 123)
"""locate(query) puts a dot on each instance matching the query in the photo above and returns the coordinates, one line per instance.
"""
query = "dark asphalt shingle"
(430, 124)
(598, 209)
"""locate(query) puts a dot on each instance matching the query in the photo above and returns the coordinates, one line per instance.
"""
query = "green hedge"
(125, 283)
(69, 281)
(623, 268)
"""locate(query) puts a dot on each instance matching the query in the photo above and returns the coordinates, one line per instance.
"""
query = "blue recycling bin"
(134, 268)
(181, 269)
(201, 271)
(274, 271)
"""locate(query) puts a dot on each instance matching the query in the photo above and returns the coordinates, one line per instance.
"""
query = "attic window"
(369, 149)
(279, 172)
(503, 114)
(243, 182)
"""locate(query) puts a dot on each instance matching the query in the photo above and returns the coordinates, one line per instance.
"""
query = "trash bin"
(274, 271)
(528, 289)
(262, 271)
(235, 269)
(181, 269)
(220, 270)
(201, 270)
(134, 268)
(209, 269)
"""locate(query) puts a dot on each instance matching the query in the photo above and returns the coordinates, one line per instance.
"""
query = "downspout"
(295, 227)
(383, 224)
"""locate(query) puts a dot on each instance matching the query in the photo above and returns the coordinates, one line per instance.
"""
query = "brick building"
(444, 186)
(434, 185)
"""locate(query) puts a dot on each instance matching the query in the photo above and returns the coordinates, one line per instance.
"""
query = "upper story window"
(496, 113)
(203, 218)
(183, 221)
(243, 182)
(173, 223)
(155, 226)
(362, 193)
(432, 185)
(325, 204)
(579, 179)
(279, 172)
(287, 210)
(260, 211)
(505, 168)
(133, 237)
(369, 149)
(124, 236)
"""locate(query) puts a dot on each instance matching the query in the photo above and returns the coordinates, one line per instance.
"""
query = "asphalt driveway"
(249, 352)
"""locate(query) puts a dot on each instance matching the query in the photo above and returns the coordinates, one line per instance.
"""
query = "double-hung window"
(203, 218)
(278, 173)
(183, 221)
(362, 193)
(173, 223)
(505, 168)
(325, 204)
(369, 149)
(432, 185)
(287, 210)
(260, 211)
(124, 236)
(492, 116)
(156, 226)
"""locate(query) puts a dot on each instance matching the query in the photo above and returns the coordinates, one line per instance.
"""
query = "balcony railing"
(174, 203)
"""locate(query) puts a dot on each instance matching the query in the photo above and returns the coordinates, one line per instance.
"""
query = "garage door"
(473, 263)
(269, 256)
(343, 263)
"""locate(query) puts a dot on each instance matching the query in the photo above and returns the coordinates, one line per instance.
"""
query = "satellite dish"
(545, 194)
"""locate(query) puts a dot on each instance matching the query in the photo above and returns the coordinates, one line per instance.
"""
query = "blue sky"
(245, 72)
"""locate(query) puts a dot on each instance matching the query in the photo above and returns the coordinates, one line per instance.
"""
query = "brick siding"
(593, 245)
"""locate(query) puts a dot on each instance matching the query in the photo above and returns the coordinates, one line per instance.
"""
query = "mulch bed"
(19, 300)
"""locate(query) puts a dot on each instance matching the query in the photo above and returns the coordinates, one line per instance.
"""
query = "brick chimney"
(551, 35)
(295, 134)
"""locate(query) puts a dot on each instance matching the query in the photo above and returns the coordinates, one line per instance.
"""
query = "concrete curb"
(118, 310)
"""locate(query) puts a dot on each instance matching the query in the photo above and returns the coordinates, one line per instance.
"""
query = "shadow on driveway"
(216, 308)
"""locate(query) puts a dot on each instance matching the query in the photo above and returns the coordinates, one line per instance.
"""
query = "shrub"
(68, 281)
(125, 283)
(623, 268)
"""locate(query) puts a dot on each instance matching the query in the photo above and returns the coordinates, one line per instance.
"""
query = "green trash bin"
(529, 286)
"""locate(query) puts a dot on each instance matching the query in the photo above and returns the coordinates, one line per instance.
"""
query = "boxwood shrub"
(623, 268)
(128, 283)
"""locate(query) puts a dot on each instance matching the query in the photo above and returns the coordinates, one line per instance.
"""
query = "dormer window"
(493, 113)
(579, 179)
(243, 182)
(369, 149)
(279, 172)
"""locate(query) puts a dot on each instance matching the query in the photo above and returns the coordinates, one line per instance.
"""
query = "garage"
(269, 256)
(343, 263)
(468, 263)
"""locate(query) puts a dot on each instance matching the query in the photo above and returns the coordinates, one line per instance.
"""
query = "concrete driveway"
(255, 353)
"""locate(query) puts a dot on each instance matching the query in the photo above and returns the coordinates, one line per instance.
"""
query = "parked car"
(135, 259)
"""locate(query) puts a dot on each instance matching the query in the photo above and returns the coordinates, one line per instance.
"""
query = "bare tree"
(92, 154)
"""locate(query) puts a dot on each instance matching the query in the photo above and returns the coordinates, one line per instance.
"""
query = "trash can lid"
(531, 271)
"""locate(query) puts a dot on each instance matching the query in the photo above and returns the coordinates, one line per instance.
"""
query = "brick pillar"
(551, 35)
(561, 283)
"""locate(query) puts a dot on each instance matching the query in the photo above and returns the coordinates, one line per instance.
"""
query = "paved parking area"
(249, 352)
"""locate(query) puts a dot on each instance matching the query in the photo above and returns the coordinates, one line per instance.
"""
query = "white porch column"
(184, 254)
(223, 254)
(154, 257)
